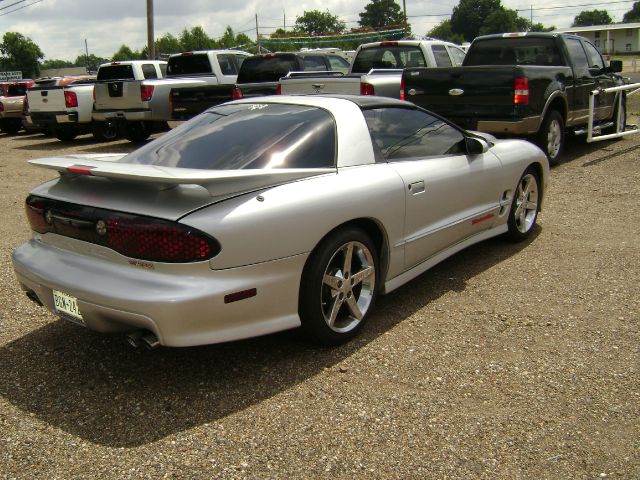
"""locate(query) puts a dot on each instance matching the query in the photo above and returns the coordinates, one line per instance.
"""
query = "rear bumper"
(182, 305)
(524, 126)
(135, 115)
(48, 119)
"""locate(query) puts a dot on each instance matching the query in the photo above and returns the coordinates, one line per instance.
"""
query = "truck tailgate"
(462, 92)
(321, 84)
(117, 95)
(190, 101)
(49, 99)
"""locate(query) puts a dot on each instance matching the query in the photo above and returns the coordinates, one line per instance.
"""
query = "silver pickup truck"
(376, 68)
(141, 103)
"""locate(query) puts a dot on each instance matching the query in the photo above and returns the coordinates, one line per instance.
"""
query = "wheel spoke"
(348, 256)
(331, 281)
(335, 308)
(361, 275)
(353, 306)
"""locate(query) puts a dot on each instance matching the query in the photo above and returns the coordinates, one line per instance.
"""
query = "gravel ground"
(505, 361)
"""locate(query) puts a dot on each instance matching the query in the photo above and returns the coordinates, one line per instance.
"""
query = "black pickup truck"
(534, 85)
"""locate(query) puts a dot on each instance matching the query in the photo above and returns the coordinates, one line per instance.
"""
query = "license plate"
(67, 304)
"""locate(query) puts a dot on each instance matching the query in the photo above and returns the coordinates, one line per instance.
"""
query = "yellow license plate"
(67, 304)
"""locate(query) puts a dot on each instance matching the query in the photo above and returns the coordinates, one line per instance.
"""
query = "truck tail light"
(279, 89)
(402, 88)
(146, 92)
(25, 105)
(94, 94)
(236, 93)
(520, 91)
(366, 89)
(389, 44)
(70, 99)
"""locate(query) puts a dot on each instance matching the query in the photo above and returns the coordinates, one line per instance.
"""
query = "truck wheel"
(619, 114)
(10, 126)
(65, 134)
(104, 131)
(136, 132)
(550, 137)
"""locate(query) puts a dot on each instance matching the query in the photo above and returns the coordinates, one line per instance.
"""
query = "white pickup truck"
(141, 103)
(376, 68)
(63, 107)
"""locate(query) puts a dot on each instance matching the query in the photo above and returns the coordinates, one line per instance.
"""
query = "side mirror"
(476, 146)
(615, 66)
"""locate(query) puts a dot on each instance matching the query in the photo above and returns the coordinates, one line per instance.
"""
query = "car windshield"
(388, 56)
(245, 136)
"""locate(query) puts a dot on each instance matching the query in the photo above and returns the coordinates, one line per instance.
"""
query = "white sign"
(10, 76)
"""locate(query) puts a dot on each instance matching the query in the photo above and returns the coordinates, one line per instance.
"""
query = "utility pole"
(86, 49)
(406, 23)
(531, 17)
(151, 50)
(258, 36)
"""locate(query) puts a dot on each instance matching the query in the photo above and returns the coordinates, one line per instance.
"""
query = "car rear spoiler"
(217, 182)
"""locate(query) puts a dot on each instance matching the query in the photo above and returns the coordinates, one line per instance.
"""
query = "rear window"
(514, 51)
(267, 69)
(115, 72)
(281, 136)
(193, 64)
(391, 56)
(16, 90)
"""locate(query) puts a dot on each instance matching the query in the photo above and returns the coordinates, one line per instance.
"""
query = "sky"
(60, 27)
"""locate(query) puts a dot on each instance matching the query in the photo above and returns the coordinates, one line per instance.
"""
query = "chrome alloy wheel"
(554, 138)
(526, 203)
(347, 287)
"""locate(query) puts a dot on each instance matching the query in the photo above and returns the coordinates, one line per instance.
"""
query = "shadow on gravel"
(96, 387)
(577, 147)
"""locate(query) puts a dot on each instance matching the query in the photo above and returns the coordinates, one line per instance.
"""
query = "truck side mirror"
(615, 66)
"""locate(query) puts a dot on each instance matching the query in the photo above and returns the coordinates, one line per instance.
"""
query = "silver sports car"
(268, 214)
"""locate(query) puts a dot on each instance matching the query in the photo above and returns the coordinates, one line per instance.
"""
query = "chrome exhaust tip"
(150, 341)
(133, 338)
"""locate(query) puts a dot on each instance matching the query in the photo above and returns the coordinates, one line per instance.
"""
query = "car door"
(583, 82)
(450, 195)
(603, 79)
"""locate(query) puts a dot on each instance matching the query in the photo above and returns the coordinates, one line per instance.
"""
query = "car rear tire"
(339, 286)
(10, 126)
(525, 206)
(65, 134)
(136, 132)
(104, 131)
(550, 137)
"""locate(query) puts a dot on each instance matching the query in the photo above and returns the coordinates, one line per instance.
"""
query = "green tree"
(538, 27)
(592, 17)
(632, 15)
(314, 22)
(125, 53)
(469, 15)
(55, 63)
(92, 62)
(504, 20)
(167, 44)
(196, 39)
(20, 53)
(443, 31)
(381, 13)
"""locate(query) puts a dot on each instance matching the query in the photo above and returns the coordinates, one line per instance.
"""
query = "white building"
(610, 39)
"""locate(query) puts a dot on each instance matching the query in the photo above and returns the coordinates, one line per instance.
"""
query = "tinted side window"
(441, 56)
(338, 64)
(403, 134)
(577, 54)
(163, 69)
(314, 63)
(227, 65)
(457, 54)
(595, 59)
(388, 57)
(149, 71)
(116, 72)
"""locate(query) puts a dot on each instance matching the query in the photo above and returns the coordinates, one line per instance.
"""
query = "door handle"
(416, 187)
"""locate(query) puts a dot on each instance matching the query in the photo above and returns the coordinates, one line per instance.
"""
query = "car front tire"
(339, 286)
(525, 206)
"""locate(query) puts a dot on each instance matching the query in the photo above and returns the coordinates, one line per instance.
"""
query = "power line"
(19, 8)
(15, 3)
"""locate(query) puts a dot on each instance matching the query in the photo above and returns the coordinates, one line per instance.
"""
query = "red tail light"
(389, 44)
(146, 92)
(520, 91)
(139, 237)
(402, 88)
(236, 93)
(279, 89)
(94, 94)
(367, 89)
(70, 99)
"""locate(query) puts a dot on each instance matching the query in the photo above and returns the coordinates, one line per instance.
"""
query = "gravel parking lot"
(505, 361)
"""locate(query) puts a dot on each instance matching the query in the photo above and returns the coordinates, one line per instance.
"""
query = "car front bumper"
(182, 305)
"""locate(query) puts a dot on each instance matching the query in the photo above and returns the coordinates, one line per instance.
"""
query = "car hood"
(164, 192)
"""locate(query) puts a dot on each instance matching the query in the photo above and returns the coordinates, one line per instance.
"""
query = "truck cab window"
(441, 56)
(149, 71)
(595, 59)
(407, 134)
